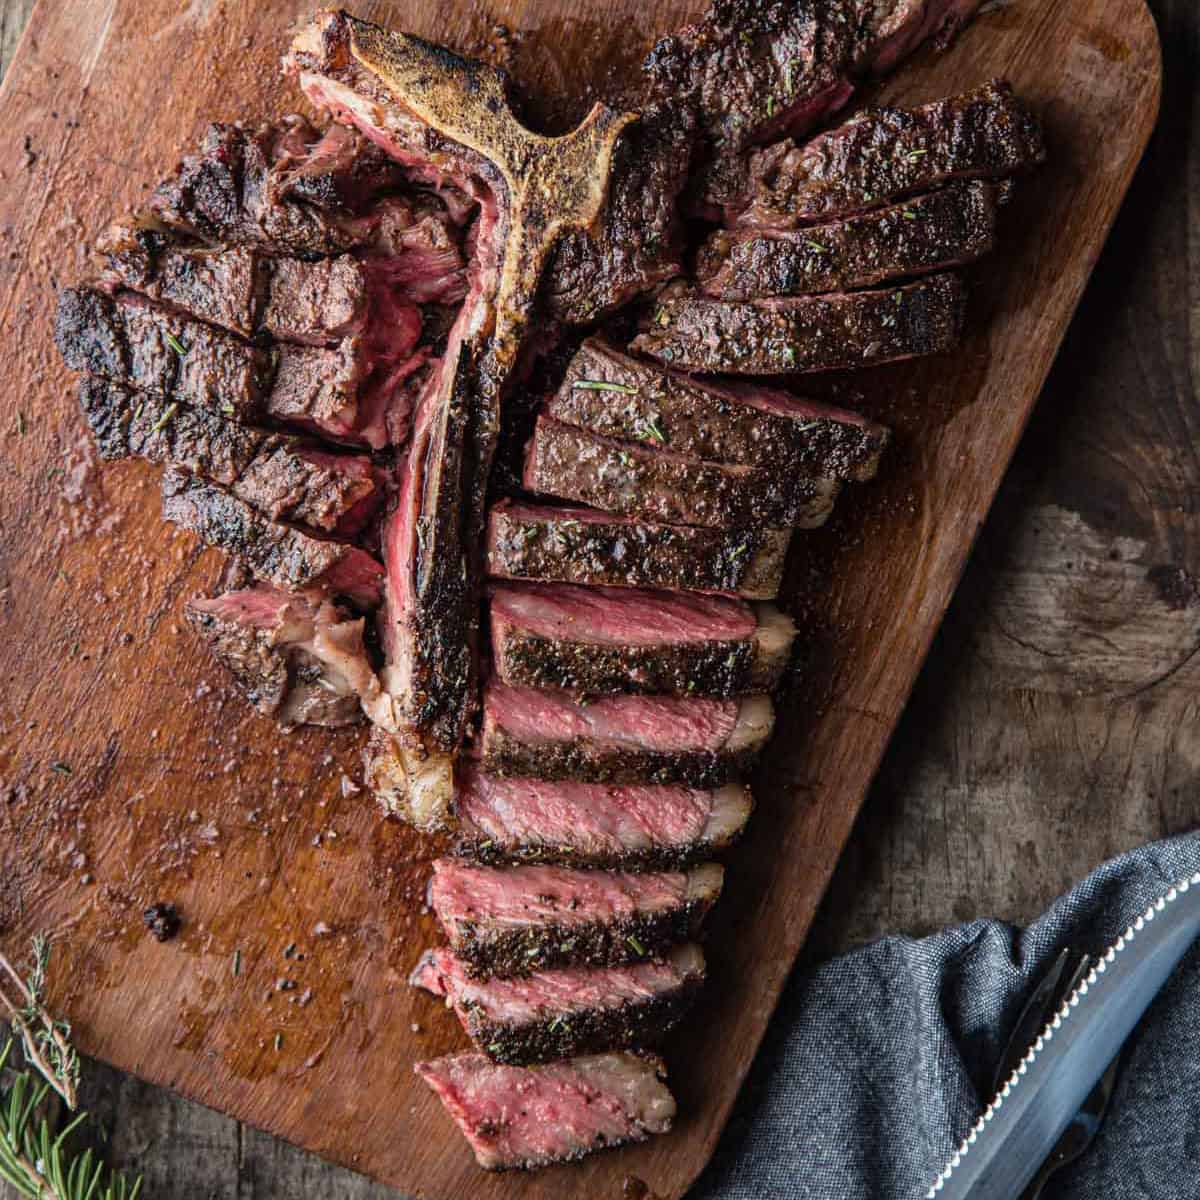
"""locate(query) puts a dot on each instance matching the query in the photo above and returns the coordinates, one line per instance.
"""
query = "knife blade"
(1015, 1133)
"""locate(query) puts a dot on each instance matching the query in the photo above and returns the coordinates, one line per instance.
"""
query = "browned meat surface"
(581, 545)
(280, 476)
(625, 826)
(602, 1100)
(885, 154)
(278, 554)
(295, 657)
(126, 339)
(943, 229)
(621, 739)
(605, 640)
(811, 333)
(623, 397)
(573, 1010)
(657, 485)
(509, 921)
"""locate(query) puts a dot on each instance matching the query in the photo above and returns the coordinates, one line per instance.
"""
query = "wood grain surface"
(174, 792)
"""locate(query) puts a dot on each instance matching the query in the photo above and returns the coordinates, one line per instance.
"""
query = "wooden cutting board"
(129, 771)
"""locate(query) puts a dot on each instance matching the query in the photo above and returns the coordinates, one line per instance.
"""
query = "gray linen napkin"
(878, 1063)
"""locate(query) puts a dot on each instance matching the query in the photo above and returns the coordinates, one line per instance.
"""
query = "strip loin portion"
(525, 1117)
(556, 1014)
(625, 827)
(511, 921)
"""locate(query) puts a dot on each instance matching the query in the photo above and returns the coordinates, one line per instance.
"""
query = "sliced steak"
(126, 339)
(608, 640)
(621, 739)
(524, 1117)
(315, 302)
(318, 387)
(635, 480)
(595, 824)
(555, 1014)
(885, 154)
(581, 545)
(943, 229)
(286, 188)
(631, 399)
(514, 920)
(809, 333)
(278, 475)
(295, 658)
(755, 71)
(893, 29)
(274, 553)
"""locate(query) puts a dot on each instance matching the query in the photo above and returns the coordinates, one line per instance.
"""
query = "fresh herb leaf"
(21, 426)
(602, 385)
(279, 1041)
(237, 963)
(175, 344)
(908, 214)
(165, 419)
(638, 948)
(60, 768)
(816, 246)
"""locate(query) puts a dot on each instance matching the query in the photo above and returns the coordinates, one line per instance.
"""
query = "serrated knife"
(1012, 1137)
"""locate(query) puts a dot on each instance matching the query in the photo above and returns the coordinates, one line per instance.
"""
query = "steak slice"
(621, 739)
(278, 475)
(581, 545)
(809, 333)
(287, 188)
(885, 154)
(273, 552)
(318, 387)
(619, 396)
(555, 1014)
(893, 29)
(634, 480)
(943, 229)
(606, 640)
(126, 339)
(514, 920)
(525, 1117)
(296, 658)
(595, 824)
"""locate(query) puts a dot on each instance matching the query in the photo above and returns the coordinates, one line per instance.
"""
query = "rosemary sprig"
(175, 344)
(34, 1160)
(602, 385)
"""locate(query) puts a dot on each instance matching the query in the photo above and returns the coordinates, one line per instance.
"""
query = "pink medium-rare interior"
(659, 723)
(619, 616)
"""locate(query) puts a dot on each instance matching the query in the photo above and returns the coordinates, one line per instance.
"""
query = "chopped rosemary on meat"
(175, 344)
(602, 385)
(60, 768)
(816, 246)
(237, 963)
(21, 424)
(165, 419)
(649, 427)
(638, 948)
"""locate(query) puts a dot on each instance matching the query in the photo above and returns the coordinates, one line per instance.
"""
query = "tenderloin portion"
(885, 154)
(279, 476)
(944, 229)
(295, 658)
(581, 545)
(554, 1014)
(597, 1101)
(593, 824)
(813, 333)
(619, 396)
(622, 739)
(274, 553)
(622, 477)
(599, 640)
(515, 920)
(126, 339)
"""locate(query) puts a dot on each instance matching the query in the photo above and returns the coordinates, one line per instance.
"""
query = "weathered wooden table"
(1056, 721)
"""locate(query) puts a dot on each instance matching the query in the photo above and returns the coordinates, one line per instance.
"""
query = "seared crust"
(159, 352)
(595, 762)
(644, 402)
(626, 478)
(886, 153)
(817, 333)
(518, 951)
(929, 233)
(641, 1023)
(716, 668)
(747, 562)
